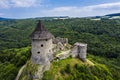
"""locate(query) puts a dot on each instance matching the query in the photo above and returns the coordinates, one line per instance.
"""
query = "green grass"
(30, 69)
(56, 67)
(74, 69)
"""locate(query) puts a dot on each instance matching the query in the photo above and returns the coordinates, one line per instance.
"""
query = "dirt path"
(64, 52)
(63, 55)
(19, 73)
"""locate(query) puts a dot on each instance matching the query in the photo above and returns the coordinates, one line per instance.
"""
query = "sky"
(19, 9)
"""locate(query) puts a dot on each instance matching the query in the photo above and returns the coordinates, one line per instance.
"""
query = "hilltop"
(2, 19)
(73, 68)
(114, 14)
(103, 37)
(70, 68)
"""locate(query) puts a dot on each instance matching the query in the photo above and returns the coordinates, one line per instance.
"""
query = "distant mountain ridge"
(117, 15)
(1, 19)
(114, 14)
(108, 16)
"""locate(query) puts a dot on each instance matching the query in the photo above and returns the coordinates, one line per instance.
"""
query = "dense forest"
(102, 37)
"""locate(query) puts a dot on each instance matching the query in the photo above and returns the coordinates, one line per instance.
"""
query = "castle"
(45, 48)
(43, 44)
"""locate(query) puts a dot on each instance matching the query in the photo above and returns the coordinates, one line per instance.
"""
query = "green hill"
(74, 69)
(1, 19)
(114, 14)
(11, 60)
(102, 37)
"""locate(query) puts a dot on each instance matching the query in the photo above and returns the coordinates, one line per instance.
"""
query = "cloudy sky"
(45, 8)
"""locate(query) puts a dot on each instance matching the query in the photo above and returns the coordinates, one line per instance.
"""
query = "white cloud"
(19, 3)
(107, 5)
(91, 10)
(103, 6)
(4, 4)
(24, 3)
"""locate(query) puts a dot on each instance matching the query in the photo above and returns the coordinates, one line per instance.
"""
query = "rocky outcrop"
(40, 70)
(31, 71)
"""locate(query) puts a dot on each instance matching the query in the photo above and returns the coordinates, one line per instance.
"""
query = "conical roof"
(40, 32)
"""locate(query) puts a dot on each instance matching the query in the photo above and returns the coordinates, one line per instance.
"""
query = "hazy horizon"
(20, 9)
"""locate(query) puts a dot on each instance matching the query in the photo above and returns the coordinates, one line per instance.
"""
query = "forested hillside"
(11, 60)
(102, 37)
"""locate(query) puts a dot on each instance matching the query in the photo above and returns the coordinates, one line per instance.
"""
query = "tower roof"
(40, 32)
(40, 27)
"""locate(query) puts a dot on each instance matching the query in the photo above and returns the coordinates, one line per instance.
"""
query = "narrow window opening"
(41, 45)
(38, 52)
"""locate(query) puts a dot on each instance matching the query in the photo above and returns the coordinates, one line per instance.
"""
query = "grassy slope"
(11, 60)
(101, 36)
(67, 69)
(74, 69)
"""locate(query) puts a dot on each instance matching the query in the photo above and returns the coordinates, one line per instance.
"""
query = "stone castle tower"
(79, 50)
(41, 45)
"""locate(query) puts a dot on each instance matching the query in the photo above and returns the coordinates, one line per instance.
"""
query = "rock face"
(39, 73)
(79, 50)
